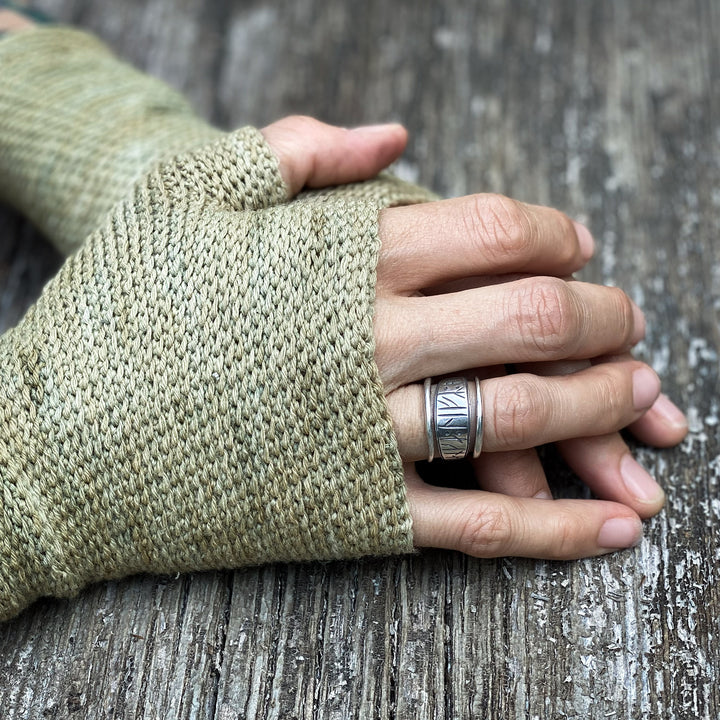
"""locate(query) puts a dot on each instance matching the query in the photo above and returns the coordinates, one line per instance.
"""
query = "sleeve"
(196, 388)
(79, 128)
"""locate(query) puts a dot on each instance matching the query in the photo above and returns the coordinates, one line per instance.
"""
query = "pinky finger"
(489, 525)
(663, 425)
(606, 465)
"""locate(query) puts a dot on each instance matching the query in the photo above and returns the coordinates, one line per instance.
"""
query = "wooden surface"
(608, 110)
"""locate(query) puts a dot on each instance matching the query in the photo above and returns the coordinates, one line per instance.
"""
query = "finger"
(11, 21)
(492, 525)
(663, 425)
(517, 472)
(523, 411)
(608, 468)
(605, 462)
(533, 319)
(314, 154)
(427, 244)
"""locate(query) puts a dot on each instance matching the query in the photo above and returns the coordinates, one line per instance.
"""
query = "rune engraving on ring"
(452, 416)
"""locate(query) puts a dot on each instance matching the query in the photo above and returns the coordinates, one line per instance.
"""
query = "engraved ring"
(453, 418)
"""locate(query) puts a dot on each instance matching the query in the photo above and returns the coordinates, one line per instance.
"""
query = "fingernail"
(670, 412)
(585, 240)
(543, 495)
(638, 481)
(646, 388)
(619, 533)
(638, 325)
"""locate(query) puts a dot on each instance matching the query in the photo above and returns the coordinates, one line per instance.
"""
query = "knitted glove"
(78, 128)
(196, 388)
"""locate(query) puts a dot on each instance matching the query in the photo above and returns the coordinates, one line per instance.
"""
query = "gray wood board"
(607, 110)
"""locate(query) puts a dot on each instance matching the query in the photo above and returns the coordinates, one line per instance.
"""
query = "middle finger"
(529, 320)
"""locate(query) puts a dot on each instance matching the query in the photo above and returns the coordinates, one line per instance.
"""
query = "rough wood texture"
(608, 110)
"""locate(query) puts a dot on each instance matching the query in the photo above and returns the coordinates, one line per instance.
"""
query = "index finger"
(424, 245)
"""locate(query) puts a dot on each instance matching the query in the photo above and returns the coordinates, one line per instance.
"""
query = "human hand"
(534, 322)
(448, 302)
(203, 366)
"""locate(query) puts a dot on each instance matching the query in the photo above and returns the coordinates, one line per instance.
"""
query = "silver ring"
(479, 425)
(452, 418)
(429, 421)
(453, 422)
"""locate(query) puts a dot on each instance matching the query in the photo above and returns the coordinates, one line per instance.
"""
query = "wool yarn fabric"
(196, 388)
(78, 128)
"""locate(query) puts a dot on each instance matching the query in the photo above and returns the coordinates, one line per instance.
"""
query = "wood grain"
(608, 110)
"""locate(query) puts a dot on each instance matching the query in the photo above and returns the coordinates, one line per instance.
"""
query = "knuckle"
(500, 226)
(565, 252)
(566, 537)
(517, 409)
(486, 532)
(623, 308)
(548, 317)
(300, 122)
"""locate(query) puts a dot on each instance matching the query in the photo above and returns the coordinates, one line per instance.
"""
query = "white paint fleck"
(543, 40)
(445, 38)
(477, 105)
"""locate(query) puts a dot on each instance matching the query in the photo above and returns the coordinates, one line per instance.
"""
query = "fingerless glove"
(196, 387)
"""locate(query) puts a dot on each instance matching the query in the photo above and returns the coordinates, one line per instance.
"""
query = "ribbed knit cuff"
(78, 128)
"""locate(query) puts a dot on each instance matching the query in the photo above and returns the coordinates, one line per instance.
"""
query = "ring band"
(429, 420)
(452, 418)
(453, 422)
(479, 425)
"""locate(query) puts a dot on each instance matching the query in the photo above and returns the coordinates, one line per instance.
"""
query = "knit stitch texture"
(79, 127)
(196, 388)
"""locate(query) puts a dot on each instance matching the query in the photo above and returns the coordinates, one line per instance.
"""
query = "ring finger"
(514, 472)
(604, 462)
(523, 411)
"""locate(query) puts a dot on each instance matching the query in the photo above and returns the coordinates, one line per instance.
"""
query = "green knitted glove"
(78, 128)
(196, 388)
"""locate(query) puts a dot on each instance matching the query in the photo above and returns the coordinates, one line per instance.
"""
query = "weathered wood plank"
(609, 111)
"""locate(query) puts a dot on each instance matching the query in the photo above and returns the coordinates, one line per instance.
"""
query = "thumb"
(314, 154)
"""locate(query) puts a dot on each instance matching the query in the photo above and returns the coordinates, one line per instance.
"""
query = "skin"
(12, 22)
(498, 290)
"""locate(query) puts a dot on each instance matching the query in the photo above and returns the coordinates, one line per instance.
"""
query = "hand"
(446, 303)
